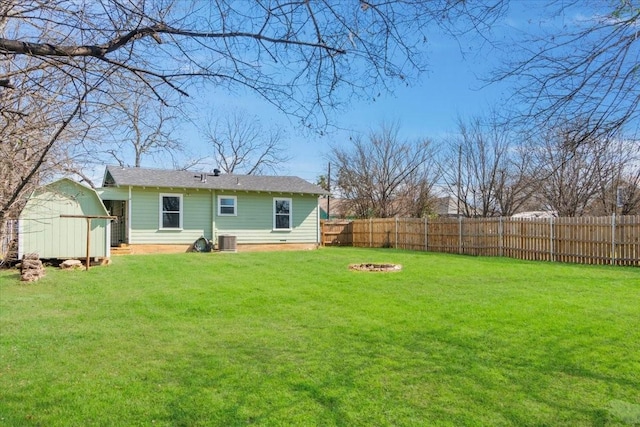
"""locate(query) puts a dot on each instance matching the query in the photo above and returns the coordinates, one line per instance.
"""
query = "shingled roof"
(162, 178)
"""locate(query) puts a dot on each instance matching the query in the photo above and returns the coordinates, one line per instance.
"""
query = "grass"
(295, 338)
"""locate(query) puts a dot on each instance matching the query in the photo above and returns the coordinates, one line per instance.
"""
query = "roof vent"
(203, 176)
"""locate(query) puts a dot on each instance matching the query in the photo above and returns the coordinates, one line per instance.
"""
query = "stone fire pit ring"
(375, 267)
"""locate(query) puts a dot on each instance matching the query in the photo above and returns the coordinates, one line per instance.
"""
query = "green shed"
(53, 222)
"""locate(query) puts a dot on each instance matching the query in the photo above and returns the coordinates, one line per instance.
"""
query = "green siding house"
(166, 210)
(43, 229)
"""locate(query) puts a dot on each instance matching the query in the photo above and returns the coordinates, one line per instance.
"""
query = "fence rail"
(611, 240)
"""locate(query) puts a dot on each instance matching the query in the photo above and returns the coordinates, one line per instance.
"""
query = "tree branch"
(8, 46)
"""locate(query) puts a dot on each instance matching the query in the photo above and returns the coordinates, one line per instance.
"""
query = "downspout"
(214, 233)
(129, 210)
(318, 229)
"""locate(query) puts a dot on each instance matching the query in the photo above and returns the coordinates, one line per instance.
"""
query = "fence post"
(500, 238)
(552, 255)
(370, 232)
(396, 232)
(426, 234)
(613, 239)
(460, 235)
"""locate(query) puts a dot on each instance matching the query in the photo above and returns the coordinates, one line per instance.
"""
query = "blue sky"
(426, 109)
(452, 88)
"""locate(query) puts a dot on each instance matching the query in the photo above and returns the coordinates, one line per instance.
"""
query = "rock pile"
(71, 264)
(31, 268)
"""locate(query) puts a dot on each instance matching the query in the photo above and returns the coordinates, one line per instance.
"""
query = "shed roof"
(163, 178)
(85, 199)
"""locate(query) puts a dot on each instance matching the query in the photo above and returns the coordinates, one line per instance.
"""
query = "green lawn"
(295, 338)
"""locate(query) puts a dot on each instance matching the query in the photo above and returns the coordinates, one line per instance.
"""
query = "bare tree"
(241, 144)
(384, 176)
(31, 123)
(303, 57)
(295, 54)
(571, 168)
(628, 200)
(143, 128)
(618, 173)
(628, 193)
(581, 61)
(418, 196)
(487, 169)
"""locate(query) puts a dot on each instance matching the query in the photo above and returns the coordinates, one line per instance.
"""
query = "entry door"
(118, 208)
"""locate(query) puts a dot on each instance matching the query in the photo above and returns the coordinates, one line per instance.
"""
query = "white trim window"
(282, 213)
(170, 211)
(227, 206)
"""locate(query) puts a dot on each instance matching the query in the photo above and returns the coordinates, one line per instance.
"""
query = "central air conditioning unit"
(227, 243)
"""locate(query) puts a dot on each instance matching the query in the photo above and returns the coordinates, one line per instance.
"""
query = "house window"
(282, 214)
(227, 205)
(170, 211)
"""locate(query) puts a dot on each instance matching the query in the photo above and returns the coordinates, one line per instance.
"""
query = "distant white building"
(536, 214)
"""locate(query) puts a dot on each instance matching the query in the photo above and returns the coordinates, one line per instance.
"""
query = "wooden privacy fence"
(337, 233)
(585, 240)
